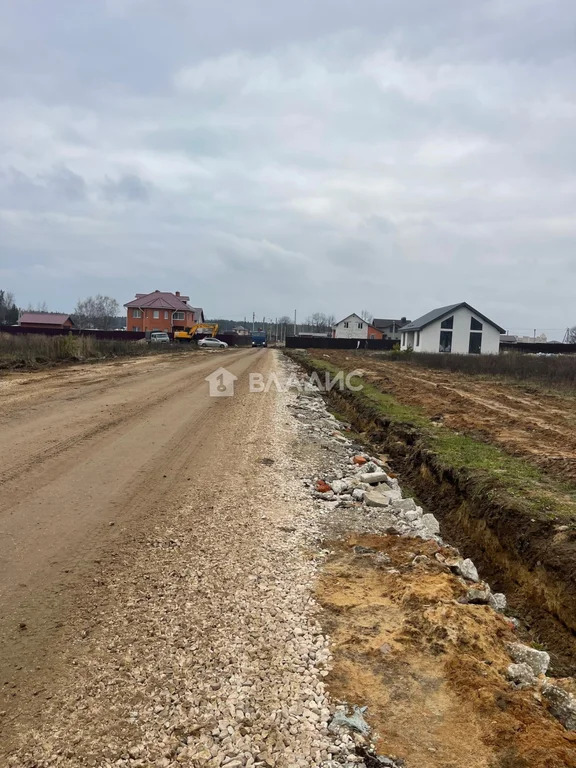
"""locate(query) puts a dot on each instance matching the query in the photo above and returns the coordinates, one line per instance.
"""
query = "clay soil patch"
(430, 670)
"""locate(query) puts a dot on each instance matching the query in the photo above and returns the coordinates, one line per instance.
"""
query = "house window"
(136, 313)
(166, 315)
(445, 341)
(346, 325)
(417, 342)
(372, 336)
(178, 316)
(136, 328)
(156, 314)
(475, 343)
(360, 325)
(446, 327)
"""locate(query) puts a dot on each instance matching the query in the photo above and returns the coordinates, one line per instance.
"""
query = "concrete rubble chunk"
(497, 601)
(467, 569)
(373, 477)
(405, 505)
(339, 486)
(478, 596)
(521, 674)
(375, 498)
(358, 494)
(431, 523)
(412, 516)
(538, 661)
(562, 705)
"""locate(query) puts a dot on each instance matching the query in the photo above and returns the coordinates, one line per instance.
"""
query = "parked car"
(211, 343)
(159, 337)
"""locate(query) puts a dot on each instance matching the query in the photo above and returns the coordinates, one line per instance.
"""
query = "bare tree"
(41, 306)
(96, 312)
(366, 316)
(8, 309)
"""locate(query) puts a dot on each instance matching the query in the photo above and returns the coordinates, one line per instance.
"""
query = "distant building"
(161, 311)
(240, 330)
(542, 339)
(457, 328)
(355, 327)
(45, 320)
(390, 328)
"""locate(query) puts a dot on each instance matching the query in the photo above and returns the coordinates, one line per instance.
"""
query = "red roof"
(160, 300)
(46, 318)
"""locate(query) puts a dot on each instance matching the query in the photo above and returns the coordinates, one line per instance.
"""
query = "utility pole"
(253, 320)
(295, 323)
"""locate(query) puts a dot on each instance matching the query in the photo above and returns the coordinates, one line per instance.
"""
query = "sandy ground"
(87, 454)
(527, 422)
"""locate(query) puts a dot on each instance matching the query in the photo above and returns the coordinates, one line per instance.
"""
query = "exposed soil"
(430, 670)
(526, 421)
(531, 559)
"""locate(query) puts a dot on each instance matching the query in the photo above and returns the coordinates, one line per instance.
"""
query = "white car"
(159, 337)
(211, 343)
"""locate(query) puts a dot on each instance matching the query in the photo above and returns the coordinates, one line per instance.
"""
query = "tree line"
(98, 311)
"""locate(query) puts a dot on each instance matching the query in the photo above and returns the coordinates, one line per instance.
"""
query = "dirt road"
(88, 455)
(160, 553)
(527, 422)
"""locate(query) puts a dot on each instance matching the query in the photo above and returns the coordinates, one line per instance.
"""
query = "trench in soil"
(532, 560)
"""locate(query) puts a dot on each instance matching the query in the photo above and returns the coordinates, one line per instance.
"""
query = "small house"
(457, 328)
(46, 320)
(355, 327)
(390, 328)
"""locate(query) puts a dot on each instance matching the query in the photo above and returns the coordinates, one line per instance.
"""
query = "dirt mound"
(430, 669)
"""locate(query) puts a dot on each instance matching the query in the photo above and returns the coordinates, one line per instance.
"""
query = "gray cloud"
(327, 156)
(128, 187)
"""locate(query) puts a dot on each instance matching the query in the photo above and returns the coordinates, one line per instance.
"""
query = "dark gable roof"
(438, 314)
(381, 323)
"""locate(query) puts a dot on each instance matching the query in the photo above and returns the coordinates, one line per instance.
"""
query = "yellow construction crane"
(189, 333)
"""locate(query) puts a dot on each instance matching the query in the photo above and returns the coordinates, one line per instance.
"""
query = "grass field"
(551, 370)
(35, 350)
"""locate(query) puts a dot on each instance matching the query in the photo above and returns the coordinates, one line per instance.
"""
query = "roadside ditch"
(518, 528)
(427, 667)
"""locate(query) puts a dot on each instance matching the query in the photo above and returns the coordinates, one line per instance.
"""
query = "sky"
(262, 156)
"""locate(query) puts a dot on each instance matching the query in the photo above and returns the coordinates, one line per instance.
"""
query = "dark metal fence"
(536, 348)
(19, 330)
(317, 342)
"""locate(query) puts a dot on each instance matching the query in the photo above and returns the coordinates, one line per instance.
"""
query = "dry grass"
(557, 371)
(34, 350)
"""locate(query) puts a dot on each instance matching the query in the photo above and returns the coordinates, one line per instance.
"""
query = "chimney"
(402, 319)
(177, 293)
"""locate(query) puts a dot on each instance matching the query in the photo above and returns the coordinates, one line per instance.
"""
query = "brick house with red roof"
(161, 311)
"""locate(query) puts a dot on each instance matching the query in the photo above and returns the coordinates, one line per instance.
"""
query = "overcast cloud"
(264, 156)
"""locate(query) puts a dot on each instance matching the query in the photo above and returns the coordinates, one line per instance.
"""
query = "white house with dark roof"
(457, 328)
